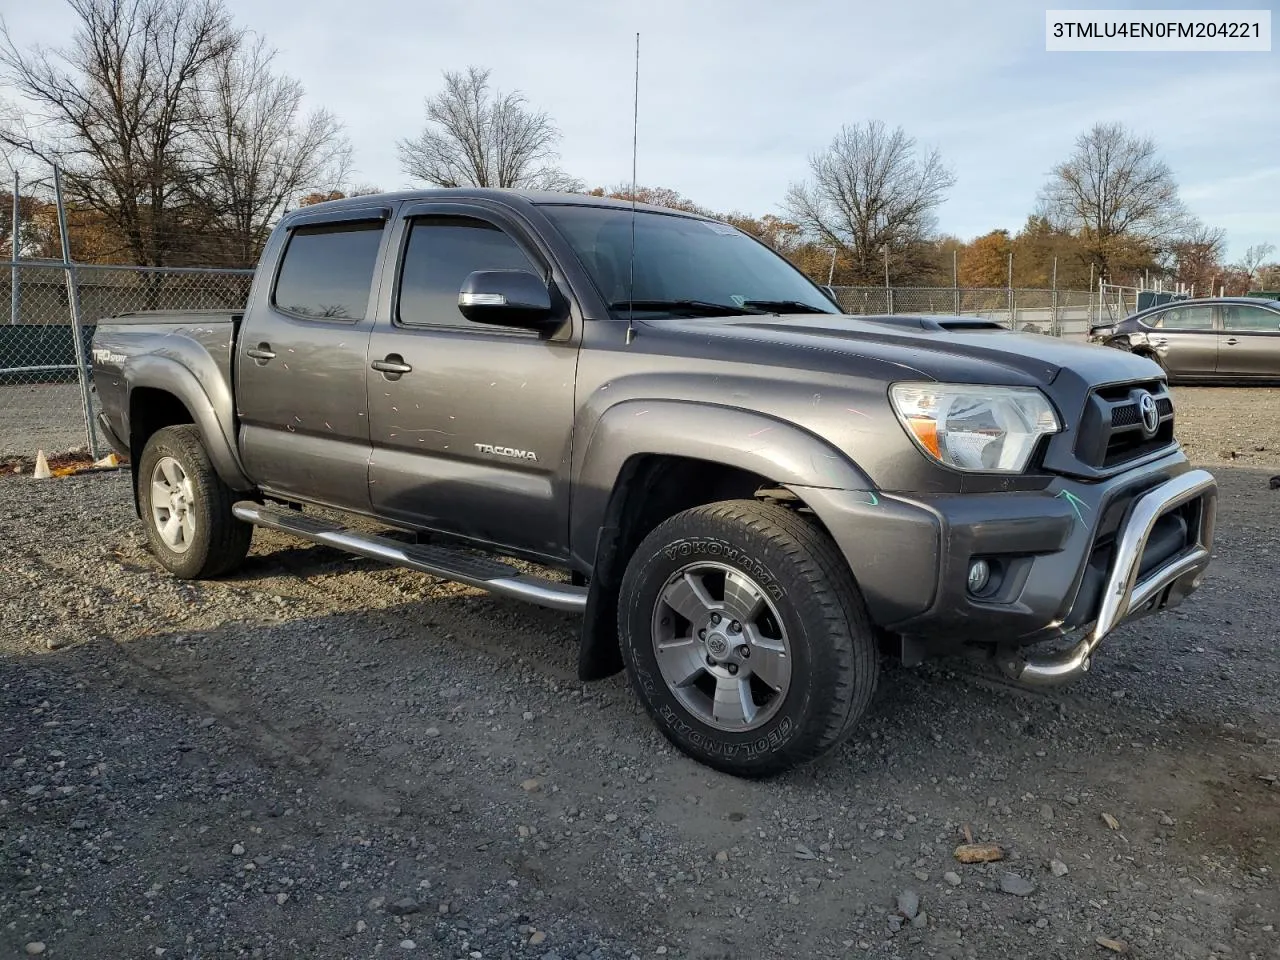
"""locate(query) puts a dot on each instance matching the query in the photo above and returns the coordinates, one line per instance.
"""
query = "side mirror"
(508, 298)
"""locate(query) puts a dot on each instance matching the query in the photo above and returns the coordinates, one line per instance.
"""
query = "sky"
(736, 95)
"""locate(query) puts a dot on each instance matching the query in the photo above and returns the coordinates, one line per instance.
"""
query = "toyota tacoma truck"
(747, 495)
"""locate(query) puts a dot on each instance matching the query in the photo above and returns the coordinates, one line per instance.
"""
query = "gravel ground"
(324, 757)
(42, 416)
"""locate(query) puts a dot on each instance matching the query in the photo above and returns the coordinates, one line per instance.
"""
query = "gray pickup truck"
(749, 496)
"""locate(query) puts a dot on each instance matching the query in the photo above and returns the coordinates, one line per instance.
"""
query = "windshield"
(683, 266)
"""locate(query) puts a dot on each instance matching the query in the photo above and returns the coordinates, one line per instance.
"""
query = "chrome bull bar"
(1126, 597)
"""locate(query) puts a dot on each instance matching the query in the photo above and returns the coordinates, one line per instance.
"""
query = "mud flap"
(599, 654)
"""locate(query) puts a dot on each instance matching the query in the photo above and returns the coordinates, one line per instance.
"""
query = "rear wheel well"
(1149, 354)
(150, 410)
(649, 489)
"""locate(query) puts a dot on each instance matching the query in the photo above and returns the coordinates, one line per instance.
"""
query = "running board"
(475, 571)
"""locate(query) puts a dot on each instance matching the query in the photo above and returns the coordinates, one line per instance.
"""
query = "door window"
(1244, 318)
(440, 254)
(1184, 318)
(327, 270)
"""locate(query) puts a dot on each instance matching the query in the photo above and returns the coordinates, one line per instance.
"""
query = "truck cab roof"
(512, 197)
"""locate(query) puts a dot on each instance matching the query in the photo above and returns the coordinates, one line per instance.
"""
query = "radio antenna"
(635, 134)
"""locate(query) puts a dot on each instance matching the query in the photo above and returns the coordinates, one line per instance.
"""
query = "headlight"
(975, 428)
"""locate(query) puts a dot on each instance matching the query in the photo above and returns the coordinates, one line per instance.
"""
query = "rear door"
(1185, 340)
(1249, 345)
(302, 355)
(474, 439)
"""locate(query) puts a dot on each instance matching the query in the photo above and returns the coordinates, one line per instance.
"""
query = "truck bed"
(202, 341)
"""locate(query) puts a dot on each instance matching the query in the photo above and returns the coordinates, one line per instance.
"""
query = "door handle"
(262, 353)
(393, 365)
(1232, 341)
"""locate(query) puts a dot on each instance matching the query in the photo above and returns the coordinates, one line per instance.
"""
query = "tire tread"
(852, 656)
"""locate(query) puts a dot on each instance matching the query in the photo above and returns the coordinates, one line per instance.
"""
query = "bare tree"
(1117, 194)
(257, 151)
(114, 108)
(1253, 260)
(1196, 256)
(479, 137)
(655, 196)
(870, 192)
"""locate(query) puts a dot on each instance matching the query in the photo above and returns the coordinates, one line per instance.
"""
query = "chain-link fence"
(45, 396)
(1063, 313)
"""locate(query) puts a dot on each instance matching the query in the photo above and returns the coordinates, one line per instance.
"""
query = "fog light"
(979, 576)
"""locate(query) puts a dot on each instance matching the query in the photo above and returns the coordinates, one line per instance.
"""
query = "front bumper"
(1130, 592)
(1074, 557)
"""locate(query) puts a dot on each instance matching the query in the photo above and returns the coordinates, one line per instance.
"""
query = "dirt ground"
(324, 757)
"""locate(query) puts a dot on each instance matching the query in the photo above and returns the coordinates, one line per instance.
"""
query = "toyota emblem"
(1150, 414)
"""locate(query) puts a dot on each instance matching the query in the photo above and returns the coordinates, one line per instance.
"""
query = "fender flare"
(162, 373)
(731, 436)
(743, 439)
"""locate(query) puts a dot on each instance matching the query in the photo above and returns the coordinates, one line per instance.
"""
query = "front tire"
(746, 637)
(187, 508)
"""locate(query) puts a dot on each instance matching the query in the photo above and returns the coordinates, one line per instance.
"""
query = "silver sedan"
(1213, 339)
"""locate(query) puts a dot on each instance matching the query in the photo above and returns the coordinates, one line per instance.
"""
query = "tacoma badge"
(506, 452)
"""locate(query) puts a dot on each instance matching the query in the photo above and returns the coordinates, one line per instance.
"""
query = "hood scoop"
(938, 324)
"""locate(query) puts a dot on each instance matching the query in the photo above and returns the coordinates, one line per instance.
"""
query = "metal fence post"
(955, 280)
(1013, 321)
(1053, 305)
(1092, 318)
(15, 298)
(73, 300)
(888, 290)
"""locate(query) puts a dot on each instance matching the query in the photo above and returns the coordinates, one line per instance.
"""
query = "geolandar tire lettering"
(746, 638)
(193, 532)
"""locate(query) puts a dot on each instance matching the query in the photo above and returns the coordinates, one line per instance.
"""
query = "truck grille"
(1112, 431)
(1128, 414)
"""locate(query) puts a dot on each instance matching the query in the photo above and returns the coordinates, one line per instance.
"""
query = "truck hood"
(949, 349)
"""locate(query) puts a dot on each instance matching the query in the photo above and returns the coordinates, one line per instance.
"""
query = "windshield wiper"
(692, 308)
(784, 306)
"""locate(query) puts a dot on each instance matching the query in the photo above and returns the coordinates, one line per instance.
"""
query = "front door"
(301, 361)
(1249, 344)
(472, 424)
(1185, 340)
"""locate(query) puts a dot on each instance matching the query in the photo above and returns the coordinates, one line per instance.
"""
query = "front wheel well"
(649, 489)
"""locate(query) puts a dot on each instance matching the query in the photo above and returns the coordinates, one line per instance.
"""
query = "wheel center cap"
(717, 645)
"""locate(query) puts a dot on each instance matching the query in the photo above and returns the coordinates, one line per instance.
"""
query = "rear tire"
(187, 508)
(793, 655)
